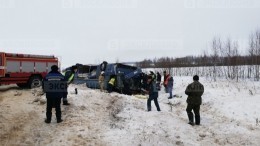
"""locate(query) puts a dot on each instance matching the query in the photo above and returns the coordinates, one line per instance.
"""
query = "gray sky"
(90, 31)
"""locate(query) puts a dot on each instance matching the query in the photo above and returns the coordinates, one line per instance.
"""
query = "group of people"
(153, 85)
(55, 85)
(167, 82)
(193, 90)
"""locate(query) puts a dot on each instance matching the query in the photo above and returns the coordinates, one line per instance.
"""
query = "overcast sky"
(90, 31)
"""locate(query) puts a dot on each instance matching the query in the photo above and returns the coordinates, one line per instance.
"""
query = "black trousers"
(53, 102)
(149, 107)
(65, 95)
(110, 88)
(196, 109)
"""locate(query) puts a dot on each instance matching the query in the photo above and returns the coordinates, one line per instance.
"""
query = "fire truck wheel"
(35, 81)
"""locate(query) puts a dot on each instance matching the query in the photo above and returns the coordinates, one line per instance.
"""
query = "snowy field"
(229, 116)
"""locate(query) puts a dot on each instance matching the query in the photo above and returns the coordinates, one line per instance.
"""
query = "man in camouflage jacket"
(194, 92)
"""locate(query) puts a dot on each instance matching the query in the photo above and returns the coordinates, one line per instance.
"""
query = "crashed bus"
(129, 79)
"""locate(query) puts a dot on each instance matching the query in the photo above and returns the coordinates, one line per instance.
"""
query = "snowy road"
(228, 117)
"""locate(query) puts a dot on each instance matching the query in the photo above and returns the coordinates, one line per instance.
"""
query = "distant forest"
(220, 53)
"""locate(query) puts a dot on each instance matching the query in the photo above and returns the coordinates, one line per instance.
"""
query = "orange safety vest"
(167, 80)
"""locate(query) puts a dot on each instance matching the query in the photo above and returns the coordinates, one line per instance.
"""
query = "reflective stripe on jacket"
(112, 81)
(69, 76)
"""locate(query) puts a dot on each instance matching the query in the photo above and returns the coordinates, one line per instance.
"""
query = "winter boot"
(191, 120)
(197, 119)
(47, 121)
(76, 91)
(59, 120)
(66, 103)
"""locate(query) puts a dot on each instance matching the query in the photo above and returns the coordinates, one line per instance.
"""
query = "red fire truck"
(25, 70)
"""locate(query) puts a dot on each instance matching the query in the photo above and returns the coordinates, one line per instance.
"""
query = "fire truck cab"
(25, 70)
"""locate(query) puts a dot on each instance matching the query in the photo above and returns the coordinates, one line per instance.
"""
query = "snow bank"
(229, 116)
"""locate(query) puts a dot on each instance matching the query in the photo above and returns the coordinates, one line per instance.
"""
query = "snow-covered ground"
(229, 116)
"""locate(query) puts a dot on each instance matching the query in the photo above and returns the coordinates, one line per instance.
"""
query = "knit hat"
(54, 68)
(196, 78)
(74, 67)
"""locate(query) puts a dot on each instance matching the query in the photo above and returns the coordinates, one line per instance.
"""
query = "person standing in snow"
(158, 81)
(101, 80)
(69, 77)
(194, 92)
(54, 85)
(153, 94)
(152, 75)
(168, 84)
(111, 84)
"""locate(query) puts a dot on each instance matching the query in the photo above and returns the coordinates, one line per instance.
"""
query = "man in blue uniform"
(54, 86)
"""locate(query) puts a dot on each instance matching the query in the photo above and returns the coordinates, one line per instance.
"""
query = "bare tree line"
(223, 60)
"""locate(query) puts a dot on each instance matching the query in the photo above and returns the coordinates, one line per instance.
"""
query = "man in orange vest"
(168, 84)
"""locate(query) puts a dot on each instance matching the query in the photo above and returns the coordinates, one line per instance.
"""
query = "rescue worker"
(168, 84)
(194, 92)
(153, 94)
(101, 80)
(111, 84)
(69, 77)
(54, 85)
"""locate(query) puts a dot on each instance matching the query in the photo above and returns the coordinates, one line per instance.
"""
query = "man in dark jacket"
(152, 75)
(158, 81)
(69, 77)
(153, 94)
(54, 85)
(194, 92)
(158, 77)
